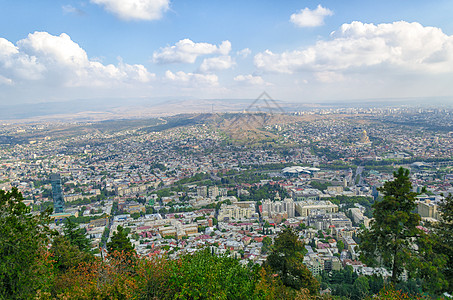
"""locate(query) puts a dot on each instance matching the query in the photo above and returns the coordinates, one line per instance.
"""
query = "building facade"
(57, 193)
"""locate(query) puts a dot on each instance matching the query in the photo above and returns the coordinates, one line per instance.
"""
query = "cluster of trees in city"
(266, 191)
(195, 178)
(347, 284)
(156, 165)
(86, 219)
(272, 166)
(251, 173)
(324, 152)
(346, 202)
(322, 186)
(349, 201)
(249, 176)
(419, 123)
(337, 165)
(393, 161)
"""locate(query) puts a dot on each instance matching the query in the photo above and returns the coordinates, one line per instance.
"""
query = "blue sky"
(299, 51)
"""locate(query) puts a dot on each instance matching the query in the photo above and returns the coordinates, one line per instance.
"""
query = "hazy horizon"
(118, 108)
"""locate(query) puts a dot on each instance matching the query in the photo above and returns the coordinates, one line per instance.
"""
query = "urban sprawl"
(180, 188)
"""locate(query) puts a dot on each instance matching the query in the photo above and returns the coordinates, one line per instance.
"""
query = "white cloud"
(16, 64)
(69, 9)
(135, 73)
(58, 60)
(216, 64)
(135, 9)
(250, 79)
(186, 51)
(244, 52)
(328, 77)
(5, 81)
(192, 79)
(358, 47)
(311, 18)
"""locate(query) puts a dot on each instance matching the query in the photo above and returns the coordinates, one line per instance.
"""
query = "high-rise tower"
(57, 194)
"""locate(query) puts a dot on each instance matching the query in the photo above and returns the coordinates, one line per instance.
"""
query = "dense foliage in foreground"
(37, 263)
(41, 264)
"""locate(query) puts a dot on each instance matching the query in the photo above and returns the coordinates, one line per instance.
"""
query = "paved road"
(358, 172)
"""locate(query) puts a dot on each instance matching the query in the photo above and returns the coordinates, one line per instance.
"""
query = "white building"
(272, 208)
(314, 207)
(234, 212)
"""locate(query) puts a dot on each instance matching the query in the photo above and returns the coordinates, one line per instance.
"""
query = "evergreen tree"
(67, 255)
(267, 242)
(286, 258)
(23, 241)
(340, 246)
(395, 239)
(443, 231)
(360, 288)
(76, 236)
(120, 242)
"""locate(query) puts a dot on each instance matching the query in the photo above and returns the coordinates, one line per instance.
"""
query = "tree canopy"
(66, 255)
(286, 259)
(120, 242)
(76, 236)
(23, 241)
(443, 233)
(395, 238)
(30, 269)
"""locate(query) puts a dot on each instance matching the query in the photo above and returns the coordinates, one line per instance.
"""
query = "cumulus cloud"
(187, 51)
(192, 79)
(16, 64)
(310, 18)
(59, 60)
(250, 79)
(135, 9)
(358, 46)
(216, 64)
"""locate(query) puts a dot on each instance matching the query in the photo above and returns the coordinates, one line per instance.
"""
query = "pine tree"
(120, 242)
(443, 231)
(67, 255)
(76, 236)
(23, 241)
(395, 239)
(286, 260)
